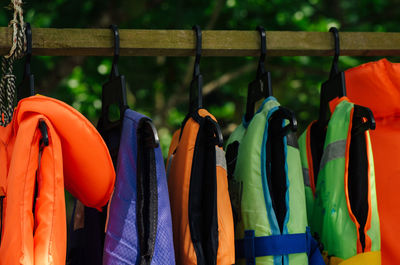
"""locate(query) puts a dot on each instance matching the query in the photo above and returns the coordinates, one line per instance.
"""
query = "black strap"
(275, 169)
(1, 214)
(358, 177)
(203, 214)
(147, 194)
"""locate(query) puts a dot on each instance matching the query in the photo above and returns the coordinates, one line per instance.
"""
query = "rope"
(7, 82)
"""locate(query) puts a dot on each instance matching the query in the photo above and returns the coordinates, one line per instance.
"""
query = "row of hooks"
(114, 91)
(262, 74)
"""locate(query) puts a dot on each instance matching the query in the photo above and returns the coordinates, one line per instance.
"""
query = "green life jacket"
(267, 193)
(310, 163)
(343, 210)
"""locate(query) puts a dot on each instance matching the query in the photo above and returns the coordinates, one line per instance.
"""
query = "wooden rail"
(98, 42)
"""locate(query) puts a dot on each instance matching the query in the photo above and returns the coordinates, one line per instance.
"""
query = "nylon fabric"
(307, 171)
(253, 209)
(306, 177)
(86, 243)
(367, 258)
(333, 218)
(38, 235)
(220, 158)
(179, 179)
(333, 151)
(122, 239)
(376, 85)
(81, 145)
(275, 245)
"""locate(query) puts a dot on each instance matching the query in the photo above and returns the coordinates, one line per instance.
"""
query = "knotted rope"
(7, 82)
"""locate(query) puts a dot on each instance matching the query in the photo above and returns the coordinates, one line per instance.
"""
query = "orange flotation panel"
(376, 85)
(32, 178)
(198, 187)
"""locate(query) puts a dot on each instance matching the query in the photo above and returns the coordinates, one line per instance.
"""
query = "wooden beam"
(98, 42)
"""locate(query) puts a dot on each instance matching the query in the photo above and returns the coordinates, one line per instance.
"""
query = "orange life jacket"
(376, 85)
(32, 178)
(198, 188)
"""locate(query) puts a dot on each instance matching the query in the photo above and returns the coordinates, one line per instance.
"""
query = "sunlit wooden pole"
(135, 42)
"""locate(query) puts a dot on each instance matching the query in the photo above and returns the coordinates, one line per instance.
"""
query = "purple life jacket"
(139, 229)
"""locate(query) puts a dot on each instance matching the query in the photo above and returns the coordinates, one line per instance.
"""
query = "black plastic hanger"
(196, 90)
(336, 84)
(260, 87)
(114, 91)
(335, 87)
(196, 86)
(27, 87)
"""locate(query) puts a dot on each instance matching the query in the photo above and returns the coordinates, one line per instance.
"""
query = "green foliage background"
(158, 86)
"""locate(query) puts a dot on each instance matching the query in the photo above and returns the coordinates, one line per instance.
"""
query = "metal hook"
(197, 30)
(114, 69)
(335, 69)
(263, 50)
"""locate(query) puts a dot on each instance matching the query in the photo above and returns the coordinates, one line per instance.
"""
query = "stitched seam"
(54, 191)
(23, 201)
(80, 117)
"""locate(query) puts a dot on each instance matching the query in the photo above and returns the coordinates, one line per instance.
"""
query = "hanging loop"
(28, 32)
(27, 87)
(196, 86)
(335, 68)
(263, 51)
(197, 30)
(114, 69)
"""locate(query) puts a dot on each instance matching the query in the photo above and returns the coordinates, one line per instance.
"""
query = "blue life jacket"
(139, 229)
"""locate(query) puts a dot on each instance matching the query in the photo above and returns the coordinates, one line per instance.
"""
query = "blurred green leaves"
(158, 86)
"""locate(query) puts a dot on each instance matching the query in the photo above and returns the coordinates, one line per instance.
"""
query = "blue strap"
(277, 245)
(314, 254)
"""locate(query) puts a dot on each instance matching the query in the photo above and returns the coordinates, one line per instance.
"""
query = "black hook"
(334, 87)
(114, 69)
(335, 68)
(196, 86)
(196, 70)
(260, 87)
(114, 91)
(27, 87)
(263, 52)
(28, 32)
